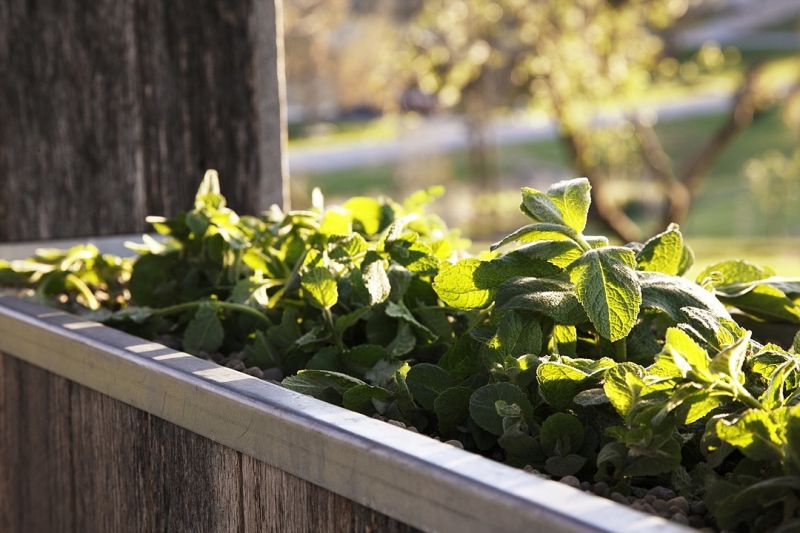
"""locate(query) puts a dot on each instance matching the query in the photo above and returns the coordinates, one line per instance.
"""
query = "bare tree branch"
(677, 196)
(743, 111)
(608, 212)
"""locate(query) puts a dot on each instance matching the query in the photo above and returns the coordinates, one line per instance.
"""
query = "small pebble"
(649, 508)
(619, 498)
(601, 488)
(273, 374)
(638, 492)
(680, 503)
(235, 364)
(675, 510)
(650, 498)
(255, 372)
(662, 493)
(637, 506)
(660, 505)
(397, 423)
(454, 442)
(531, 470)
(572, 481)
(412, 429)
(697, 521)
(169, 341)
(680, 518)
(699, 508)
(585, 485)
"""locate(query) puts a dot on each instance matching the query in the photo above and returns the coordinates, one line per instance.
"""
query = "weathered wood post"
(111, 110)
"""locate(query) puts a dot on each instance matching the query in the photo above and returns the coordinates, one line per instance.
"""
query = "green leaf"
(362, 358)
(559, 383)
(404, 341)
(730, 360)
(683, 348)
(552, 298)
(426, 382)
(345, 322)
(566, 465)
(320, 287)
(366, 399)
(452, 408)
(540, 207)
(727, 273)
(519, 336)
(521, 449)
(328, 358)
(462, 360)
(349, 248)
(377, 282)
(623, 385)
(572, 198)
(663, 253)
(471, 283)
(561, 434)
(366, 212)
(607, 287)
(764, 301)
(208, 194)
(336, 221)
(197, 223)
(663, 457)
(670, 295)
(204, 332)
(483, 405)
(564, 340)
(535, 232)
(322, 384)
(754, 433)
(399, 310)
(558, 253)
(132, 313)
(456, 285)
(590, 397)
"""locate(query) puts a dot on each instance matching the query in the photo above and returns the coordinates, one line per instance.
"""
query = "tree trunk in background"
(111, 110)
(481, 154)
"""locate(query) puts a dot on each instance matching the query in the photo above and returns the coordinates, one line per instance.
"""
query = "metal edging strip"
(415, 479)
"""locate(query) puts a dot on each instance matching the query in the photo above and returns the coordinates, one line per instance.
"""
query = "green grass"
(782, 254)
(724, 207)
(344, 132)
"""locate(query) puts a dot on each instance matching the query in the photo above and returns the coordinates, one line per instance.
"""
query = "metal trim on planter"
(410, 477)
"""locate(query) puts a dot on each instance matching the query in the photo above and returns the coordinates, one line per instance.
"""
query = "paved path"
(448, 134)
(741, 26)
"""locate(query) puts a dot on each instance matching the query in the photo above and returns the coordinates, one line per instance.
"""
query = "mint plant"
(554, 350)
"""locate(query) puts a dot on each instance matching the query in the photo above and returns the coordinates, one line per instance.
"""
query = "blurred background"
(677, 110)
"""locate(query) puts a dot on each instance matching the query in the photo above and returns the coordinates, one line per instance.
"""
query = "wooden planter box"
(104, 431)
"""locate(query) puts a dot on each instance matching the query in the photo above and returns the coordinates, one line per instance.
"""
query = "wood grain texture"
(74, 460)
(112, 110)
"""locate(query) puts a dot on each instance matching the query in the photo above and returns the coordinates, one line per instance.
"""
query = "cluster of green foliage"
(555, 349)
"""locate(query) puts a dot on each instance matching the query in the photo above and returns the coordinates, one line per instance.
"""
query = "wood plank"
(278, 502)
(115, 101)
(75, 460)
(35, 477)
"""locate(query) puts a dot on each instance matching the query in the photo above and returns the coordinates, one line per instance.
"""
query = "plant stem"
(578, 238)
(229, 306)
(620, 350)
(85, 291)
